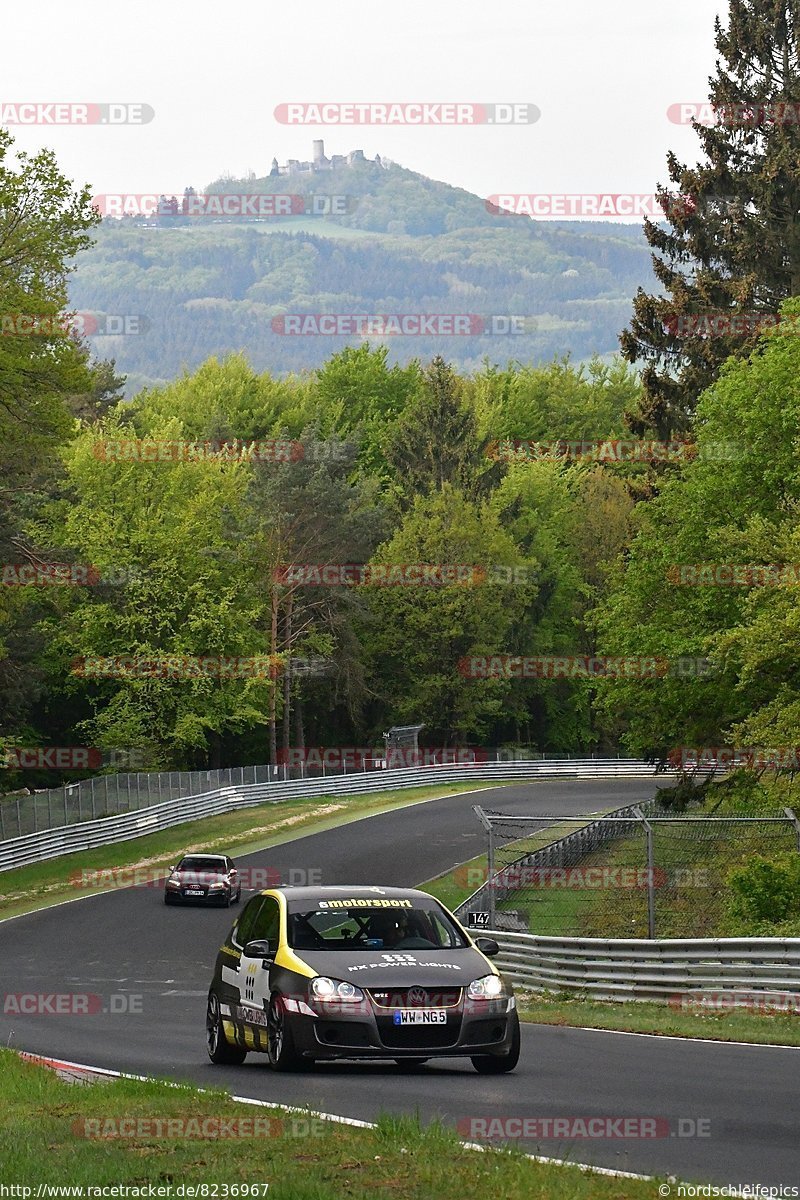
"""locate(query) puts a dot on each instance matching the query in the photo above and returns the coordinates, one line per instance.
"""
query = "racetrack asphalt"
(150, 967)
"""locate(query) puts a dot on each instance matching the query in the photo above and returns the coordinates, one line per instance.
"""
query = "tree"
(160, 533)
(313, 511)
(418, 634)
(357, 395)
(731, 241)
(43, 225)
(742, 510)
(435, 440)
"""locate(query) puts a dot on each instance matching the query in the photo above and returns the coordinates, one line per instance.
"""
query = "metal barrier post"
(487, 825)
(651, 885)
(793, 818)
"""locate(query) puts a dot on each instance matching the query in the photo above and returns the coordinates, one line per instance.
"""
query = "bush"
(766, 890)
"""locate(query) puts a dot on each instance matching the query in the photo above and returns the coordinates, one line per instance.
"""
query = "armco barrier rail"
(109, 795)
(35, 847)
(740, 969)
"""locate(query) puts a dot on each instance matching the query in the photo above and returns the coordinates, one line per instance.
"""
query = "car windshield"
(371, 925)
(214, 866)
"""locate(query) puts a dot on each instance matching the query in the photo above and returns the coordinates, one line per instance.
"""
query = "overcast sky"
(603, 75)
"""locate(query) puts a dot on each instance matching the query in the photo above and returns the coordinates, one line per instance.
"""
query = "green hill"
(406, 244)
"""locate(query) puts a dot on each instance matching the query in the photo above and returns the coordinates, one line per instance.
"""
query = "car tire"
(411, 1064)
(238, 895)
(168, 900)
(281, 1051)
(220, 1050)
(498, 1064)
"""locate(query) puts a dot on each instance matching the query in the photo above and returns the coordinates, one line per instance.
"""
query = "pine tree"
(435, 441)
(731, 239)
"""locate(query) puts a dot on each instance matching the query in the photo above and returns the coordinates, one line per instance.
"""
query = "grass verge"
(634, 1016)
(243, 831)
(42, 1141)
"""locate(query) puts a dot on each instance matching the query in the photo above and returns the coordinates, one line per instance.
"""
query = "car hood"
(398, 968)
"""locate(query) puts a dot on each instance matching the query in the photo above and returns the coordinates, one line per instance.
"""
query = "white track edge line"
(666, 1037)
(46, 1060)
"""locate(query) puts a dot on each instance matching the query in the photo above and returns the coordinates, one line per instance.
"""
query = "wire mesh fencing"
(107, 795)
(639, 871)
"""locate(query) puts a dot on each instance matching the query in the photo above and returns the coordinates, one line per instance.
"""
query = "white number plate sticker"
(194, 891)
(421, 1016)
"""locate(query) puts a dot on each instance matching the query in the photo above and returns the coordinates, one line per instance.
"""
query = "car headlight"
(323, 988)
(173, 883)
(489, 987)
(215, 885)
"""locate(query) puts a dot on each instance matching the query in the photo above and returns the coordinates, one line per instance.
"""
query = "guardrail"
(744, 969)
(68, 839)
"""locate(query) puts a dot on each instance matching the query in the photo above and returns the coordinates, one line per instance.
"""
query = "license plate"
(195, 892)
(256, 1016)
(421, 1016)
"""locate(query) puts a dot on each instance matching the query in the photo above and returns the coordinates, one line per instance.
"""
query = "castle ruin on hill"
(320, 162)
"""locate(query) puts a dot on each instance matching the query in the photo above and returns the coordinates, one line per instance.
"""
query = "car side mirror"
(258, 949)
(487, 946)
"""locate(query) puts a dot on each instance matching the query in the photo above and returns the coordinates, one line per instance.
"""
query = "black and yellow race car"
(358, 972)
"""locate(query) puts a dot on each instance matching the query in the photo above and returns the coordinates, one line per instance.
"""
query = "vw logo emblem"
(417, 996)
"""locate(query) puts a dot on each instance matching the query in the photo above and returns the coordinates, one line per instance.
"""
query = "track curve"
(130, 951)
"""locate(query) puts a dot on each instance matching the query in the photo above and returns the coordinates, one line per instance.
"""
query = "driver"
(391, 928)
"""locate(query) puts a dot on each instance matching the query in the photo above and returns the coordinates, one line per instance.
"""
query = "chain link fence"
(107, 795)
(638, 872)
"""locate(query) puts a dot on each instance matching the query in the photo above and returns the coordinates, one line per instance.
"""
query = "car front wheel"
(281, 1050)
(220, 1050)
(498, 1064)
